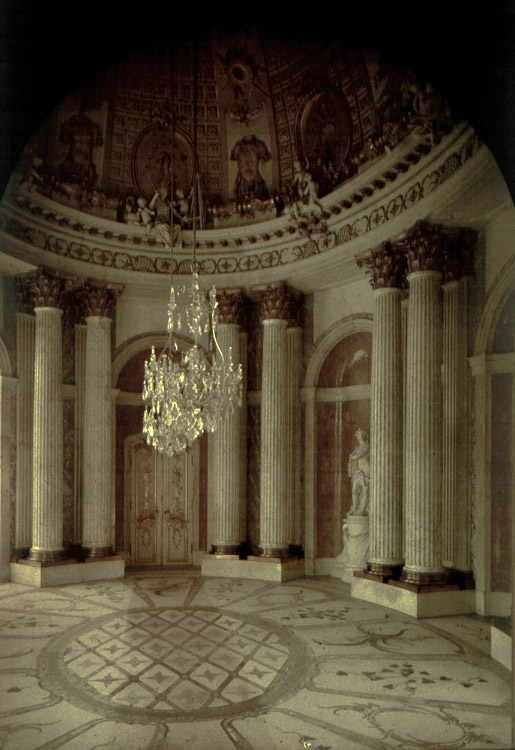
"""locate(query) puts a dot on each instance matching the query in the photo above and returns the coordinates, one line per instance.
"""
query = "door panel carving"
(160, 497)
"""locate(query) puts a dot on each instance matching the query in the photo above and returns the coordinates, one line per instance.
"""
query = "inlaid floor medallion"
(174, 663)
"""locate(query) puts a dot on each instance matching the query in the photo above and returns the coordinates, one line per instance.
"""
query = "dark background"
(466, 50)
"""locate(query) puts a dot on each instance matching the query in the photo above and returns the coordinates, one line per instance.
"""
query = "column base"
(225, 549)
(417, 601)
(283, 553)
(420, 578)
(97, 552)
(58, 573)
(36, 554)
(384, 571)
(257, 568)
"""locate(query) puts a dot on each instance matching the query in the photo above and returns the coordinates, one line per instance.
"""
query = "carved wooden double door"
(160, 496)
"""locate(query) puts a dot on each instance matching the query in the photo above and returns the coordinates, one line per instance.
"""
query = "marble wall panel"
(348, 363)
(501, 491)
(253, 473)
(68, 471)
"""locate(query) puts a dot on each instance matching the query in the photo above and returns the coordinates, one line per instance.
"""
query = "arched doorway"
(160, 501)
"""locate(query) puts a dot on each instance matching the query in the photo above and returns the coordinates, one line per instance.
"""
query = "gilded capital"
(97, 299)
(275, 302)
(46, 288)
(424, 247)
(386, 266)
(232, 307)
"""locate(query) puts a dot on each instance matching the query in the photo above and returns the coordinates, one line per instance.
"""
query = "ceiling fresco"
(261, 127)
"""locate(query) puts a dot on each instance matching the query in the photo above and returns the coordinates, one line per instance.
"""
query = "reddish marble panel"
(129, 421)
(131, 376)
(336, 425)
(348, 363)
(501, 511)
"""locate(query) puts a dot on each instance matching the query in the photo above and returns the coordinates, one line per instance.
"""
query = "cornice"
(43, 228)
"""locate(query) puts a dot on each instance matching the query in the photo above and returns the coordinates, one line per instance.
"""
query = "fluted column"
(385, 511)
(97, 506)
(230, 497)
(274, 519)
(47, 508)
(292, 424)
(423, 446)
(25, 352)
(80, 384)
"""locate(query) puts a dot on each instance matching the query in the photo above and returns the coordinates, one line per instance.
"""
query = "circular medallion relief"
(180, 664)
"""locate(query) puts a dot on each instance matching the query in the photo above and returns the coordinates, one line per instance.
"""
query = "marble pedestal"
(432, 601)
(356, 539)
(41, 575)
(257, 568)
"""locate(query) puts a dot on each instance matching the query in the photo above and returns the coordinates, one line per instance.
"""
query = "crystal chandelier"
(190, 392)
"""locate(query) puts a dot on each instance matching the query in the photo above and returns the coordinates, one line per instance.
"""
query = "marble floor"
(174, 660)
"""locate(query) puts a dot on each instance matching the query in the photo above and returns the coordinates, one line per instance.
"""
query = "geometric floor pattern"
(170, 659)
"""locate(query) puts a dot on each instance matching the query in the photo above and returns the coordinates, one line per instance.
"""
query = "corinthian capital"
(386, 266)
(424, 247)
(46, 289)
(98, 299)
(232, 307)
(275, 302)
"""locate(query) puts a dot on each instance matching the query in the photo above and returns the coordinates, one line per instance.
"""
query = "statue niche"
(356, 524)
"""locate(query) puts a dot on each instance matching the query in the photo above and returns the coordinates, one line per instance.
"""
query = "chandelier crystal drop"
(188, 393)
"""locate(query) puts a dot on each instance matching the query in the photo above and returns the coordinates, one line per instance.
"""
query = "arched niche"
(493, 366)
(338, 379)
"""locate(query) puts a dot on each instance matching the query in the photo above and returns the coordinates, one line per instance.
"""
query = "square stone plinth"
(33, 573)
(500, 644)
(258, 568)
(424, 603)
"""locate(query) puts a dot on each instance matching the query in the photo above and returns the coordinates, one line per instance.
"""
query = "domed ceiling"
(276, 125)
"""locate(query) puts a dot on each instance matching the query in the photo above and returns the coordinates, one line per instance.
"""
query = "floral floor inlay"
(169, 659)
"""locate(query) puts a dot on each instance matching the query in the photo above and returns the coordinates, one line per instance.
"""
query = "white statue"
(359, 473)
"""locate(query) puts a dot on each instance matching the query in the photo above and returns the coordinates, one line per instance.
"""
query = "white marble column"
(80, 383)
(385, 556)
(292, 425)
(274, 519)
(230, 497)
(423, 444)
(97, 505)
(47, 509)
(25, 343)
